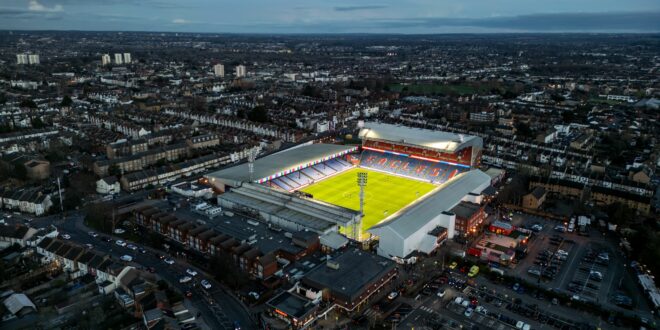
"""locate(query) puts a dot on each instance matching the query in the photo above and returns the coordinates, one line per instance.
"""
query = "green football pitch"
(384, 194)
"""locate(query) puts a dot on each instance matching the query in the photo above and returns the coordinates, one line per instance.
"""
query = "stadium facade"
(272, 190)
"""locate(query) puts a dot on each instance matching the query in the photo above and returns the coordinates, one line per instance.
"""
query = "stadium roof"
(279, 162)
(438, 140)
(411, 219)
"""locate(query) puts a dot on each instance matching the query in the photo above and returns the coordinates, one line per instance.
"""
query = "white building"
(21, 59)
(219, 70)
(105, 59)
(108, 185)
(127, 58)
(413, 229)
(33, 59)
(119, 59)
(193, 189)
(240, 71)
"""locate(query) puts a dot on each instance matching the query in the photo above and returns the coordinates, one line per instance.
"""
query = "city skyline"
(406, 17)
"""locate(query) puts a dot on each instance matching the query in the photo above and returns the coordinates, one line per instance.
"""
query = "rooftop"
(282, 161)
(352, 273)
(438, 140)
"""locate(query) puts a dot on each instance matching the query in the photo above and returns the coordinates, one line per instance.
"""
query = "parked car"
(93, 234)
(169, 261)
(66, 236)
(185, 279)
(191, 272)
(132, 247)
(120, 243)
(205, 284)
(468, 312)
(119, 231)
(393, 295)
(126, 258)
(441, 293)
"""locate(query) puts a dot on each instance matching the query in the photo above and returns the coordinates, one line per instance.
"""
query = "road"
(220, 314)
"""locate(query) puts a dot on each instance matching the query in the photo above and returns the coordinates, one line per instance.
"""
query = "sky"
(330, 16)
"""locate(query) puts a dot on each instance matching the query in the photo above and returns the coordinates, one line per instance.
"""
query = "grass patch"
(384, 194)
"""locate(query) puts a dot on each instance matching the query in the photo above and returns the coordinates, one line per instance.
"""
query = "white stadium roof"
(278, 162)
(411, 219)
(438, 140)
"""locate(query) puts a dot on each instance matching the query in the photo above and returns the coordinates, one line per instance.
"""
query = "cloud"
(355, 8)
(34, 5)
(557, 22)
(180, 21)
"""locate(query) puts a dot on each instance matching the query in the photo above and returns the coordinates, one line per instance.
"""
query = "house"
(18, 304)
(534, 199)
(108, 185)
(37, 169)
(28, 200)
(18, 234)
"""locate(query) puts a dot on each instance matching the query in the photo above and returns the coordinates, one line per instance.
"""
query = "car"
(119, 231)
(89, 246)
(66, 236)
(120, 243)
(169, 261)
(453, 265)
(205, 284)
(188, 294)
(481, 310)
(441, 293)
(191, 272)
(254, 295)
(560, 228)
(458, 300)
(93, 234)
(516, 287)
(126, 257)
(143, 251)
(185, 279)
(468, 312)
(520, 324)
(132, 247)
(393, 295)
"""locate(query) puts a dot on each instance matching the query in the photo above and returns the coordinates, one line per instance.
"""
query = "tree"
(37, 123)
(20, 172)
(114, 170)
(66, 101)
(28, 104)
(258, 114)
(100, 216)
(523, 129)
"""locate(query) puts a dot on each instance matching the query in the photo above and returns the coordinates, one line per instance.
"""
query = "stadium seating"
(312, 173)
(308, 175)
(424, 170)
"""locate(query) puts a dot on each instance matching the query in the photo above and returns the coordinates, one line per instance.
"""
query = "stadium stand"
(308, 175)
(421, 169)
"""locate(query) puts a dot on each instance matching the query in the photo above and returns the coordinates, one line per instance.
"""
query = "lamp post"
(361, 182)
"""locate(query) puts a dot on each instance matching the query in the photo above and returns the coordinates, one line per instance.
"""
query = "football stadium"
(414, 178)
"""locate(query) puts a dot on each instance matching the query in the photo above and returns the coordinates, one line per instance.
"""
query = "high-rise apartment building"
(119, 59)
(105, 59)
(21, 59)
(240, 71)
(219, 70)
(33, 59)
(127, 58)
